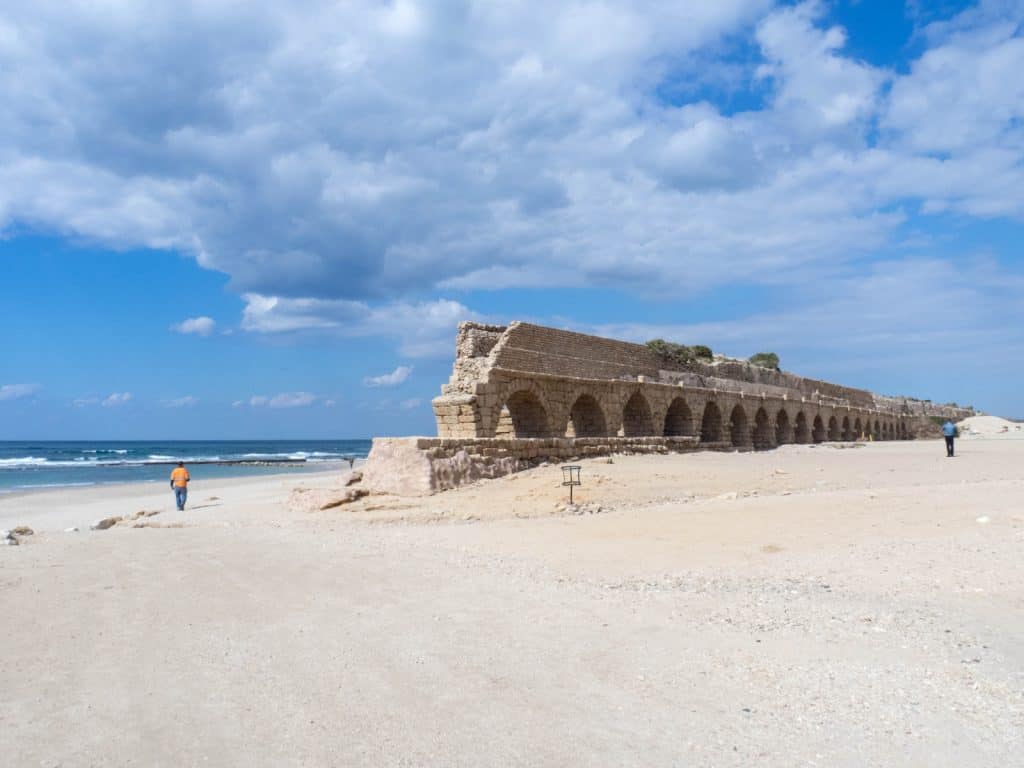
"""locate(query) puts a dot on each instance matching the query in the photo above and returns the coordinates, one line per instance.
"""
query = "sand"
(807, 606)
(991, 426)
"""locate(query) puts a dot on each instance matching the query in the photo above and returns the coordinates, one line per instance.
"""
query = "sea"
(36, 464)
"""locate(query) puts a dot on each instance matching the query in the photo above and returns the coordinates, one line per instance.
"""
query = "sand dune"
(990, 426)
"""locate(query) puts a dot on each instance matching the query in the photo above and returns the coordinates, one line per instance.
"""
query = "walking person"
(179, 484)
(949, 432)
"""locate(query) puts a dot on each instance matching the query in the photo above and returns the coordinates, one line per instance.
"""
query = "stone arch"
(801, 432)
(818, 432)
(586, 419)
(523, 415)
(858, 429)
(783, 429)
(711, 424)
(762, 431)
(833, 429)
(903, 430)
(876, 433)
(739, 428)
(678, 419)
(847, 433)
(636, 417)
(888, 431)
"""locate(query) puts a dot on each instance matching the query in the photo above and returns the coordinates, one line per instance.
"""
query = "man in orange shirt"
(179, 482)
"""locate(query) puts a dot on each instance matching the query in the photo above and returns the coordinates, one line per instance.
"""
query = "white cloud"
(283, 400)
(180, 402)
(200, 326)
(412, 402)
(423, 329)
(863, 322)
(346, 163)
(116, 399)
(396, 377)
(17, 391)
(82, 402)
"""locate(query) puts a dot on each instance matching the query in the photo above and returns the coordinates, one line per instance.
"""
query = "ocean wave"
(23, 461)
(50, 485)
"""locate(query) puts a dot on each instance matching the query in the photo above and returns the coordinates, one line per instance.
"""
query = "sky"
(222, 220)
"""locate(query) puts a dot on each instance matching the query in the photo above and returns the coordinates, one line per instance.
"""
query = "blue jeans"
(180, 494)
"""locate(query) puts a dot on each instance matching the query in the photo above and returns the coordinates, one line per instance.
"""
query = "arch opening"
(678, 419)
(586, 419)
(876, 432)
(833, 429)
(819, 430)
(636, 417)
(711, 424)
(847, 432)
(762, 431)
(783, 429)
(858, 430)
(802, 432)
(739, 429)
(523, 415)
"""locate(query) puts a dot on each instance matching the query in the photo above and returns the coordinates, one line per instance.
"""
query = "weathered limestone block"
(396, 465)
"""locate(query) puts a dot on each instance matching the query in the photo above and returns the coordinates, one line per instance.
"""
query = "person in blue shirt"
(949, 432)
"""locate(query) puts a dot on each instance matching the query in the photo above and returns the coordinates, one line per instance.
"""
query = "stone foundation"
(419, 466)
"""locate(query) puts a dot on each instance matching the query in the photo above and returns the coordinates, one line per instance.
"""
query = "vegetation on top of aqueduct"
(679, 353)
(765, 360)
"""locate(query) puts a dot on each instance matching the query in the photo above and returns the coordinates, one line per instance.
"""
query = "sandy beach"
(832, 605)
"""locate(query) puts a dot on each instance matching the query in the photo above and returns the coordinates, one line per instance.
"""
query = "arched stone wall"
(678, 419)
(847, 429)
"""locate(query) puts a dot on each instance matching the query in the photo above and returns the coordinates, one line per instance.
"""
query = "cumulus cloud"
(861, 322)
(82, 402)
(422, 329)
(200, 326)
(180, 402)
(116, 398)
(347, 165)
(396, 377)
(412, 402)
(283, 400)
(17, 391)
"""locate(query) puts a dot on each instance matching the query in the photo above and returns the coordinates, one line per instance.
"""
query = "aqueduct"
(521, 394)
(527, 381)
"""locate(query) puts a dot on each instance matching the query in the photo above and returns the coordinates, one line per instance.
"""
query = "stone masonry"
(523, 394)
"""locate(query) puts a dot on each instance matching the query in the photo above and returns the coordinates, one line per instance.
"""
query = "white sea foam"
(23, 461)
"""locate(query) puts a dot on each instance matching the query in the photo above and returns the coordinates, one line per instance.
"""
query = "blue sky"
(219, 221)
